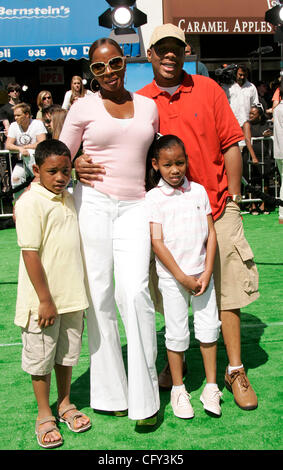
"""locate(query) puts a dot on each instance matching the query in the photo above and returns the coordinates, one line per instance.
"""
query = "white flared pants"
(116, 241)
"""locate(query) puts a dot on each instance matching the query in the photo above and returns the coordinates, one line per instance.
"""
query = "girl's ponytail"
(152, 177)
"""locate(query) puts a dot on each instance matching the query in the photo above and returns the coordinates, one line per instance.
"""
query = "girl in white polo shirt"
(184, 243)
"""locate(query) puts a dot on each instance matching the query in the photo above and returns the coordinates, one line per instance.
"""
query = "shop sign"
(218, 16)
(48, 29)
(225, 25)
(51, 75)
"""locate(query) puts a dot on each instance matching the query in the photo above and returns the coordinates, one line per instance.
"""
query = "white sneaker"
(210, 399)
(180, 402)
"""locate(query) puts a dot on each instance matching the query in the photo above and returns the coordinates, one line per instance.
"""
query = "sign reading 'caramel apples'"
(218, 17)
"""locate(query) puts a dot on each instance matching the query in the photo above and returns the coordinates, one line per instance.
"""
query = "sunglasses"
(99, 68)
(46, 98)
(15, 90)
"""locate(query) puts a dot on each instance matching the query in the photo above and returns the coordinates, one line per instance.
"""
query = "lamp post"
(274, 16)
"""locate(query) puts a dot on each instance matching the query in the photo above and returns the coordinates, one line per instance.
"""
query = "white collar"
(168, 190)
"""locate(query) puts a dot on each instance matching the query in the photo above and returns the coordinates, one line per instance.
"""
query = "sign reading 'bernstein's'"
(48, 29)
(225, 25)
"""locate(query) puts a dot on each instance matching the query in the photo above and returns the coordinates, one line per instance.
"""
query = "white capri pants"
(176, 300)
(116, 241)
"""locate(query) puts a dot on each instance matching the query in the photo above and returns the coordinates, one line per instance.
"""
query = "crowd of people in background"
(22, 132)
(252, 103)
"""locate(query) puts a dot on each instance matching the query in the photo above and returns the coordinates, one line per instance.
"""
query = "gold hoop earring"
(97, 85)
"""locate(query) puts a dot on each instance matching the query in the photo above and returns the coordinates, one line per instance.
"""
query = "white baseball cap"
(167, 30)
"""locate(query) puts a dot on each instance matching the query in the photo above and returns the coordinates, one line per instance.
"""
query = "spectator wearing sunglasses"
(6, 111)
(116, 128)
(44, 99)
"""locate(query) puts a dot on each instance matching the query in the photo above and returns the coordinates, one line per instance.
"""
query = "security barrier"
(7, 160)
(270, 176)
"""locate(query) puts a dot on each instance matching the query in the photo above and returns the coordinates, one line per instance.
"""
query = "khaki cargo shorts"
(56, 344)
(235, 273)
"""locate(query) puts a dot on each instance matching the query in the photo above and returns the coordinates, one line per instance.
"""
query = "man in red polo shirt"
(196, 109)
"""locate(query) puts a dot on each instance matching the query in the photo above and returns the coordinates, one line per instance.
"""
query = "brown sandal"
(70, 421)
(40, 434)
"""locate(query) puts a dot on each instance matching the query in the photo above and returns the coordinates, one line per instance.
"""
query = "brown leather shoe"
(238, 383)
(165, 378)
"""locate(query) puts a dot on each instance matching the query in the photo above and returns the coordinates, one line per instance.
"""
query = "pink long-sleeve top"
(120, 147)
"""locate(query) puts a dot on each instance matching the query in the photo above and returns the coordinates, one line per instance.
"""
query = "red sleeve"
(276, 95)
(228, 129)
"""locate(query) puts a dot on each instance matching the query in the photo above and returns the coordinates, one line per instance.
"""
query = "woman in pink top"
(116, 128)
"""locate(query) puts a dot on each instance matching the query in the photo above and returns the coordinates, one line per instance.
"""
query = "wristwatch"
(235, 198)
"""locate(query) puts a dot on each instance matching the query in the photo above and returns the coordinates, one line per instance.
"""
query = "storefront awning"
(49, 29)
(219, 16)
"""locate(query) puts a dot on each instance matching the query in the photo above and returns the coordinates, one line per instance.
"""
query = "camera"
(227, 74)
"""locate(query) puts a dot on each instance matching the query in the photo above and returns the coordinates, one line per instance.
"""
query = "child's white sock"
(211, 385)
(178, 387)
(231, 368)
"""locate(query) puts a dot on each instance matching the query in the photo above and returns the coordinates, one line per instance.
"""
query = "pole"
(259, 58)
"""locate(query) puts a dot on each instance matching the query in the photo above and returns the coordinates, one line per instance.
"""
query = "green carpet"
(262, 341)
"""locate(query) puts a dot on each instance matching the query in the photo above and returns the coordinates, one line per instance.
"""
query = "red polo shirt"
(199, 114)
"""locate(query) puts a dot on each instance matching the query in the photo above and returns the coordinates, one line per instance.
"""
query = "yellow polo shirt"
(47, 223)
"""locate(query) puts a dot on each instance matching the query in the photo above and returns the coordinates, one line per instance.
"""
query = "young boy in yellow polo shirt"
(51, 293)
